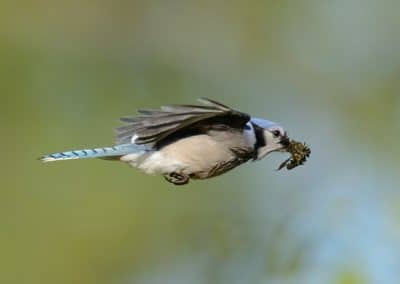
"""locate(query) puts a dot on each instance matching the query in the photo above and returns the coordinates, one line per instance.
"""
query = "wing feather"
(154, 125)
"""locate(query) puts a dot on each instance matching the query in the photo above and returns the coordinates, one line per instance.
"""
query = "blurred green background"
(326, 70)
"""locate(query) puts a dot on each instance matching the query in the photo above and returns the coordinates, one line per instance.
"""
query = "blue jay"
(183, 142)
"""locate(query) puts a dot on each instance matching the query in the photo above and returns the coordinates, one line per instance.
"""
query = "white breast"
(189, 155)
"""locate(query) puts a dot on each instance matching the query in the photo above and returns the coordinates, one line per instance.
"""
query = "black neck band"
(260, 139)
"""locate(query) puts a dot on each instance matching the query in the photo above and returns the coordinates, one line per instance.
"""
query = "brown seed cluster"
(299, 154)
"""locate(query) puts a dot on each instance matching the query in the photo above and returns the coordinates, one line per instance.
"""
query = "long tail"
(105, 153)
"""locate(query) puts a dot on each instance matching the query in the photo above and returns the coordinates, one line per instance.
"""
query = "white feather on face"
(273, 134)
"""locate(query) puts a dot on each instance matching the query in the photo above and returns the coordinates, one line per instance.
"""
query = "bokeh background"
(327, 70)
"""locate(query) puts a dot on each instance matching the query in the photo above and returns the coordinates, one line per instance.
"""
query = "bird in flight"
(184, 142)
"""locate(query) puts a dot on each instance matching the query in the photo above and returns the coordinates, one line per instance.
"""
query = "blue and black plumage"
(183, 142)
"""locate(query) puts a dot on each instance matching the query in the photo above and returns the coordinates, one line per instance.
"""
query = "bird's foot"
(177, 179)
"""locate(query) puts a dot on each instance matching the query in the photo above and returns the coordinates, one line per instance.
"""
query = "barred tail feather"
(105, 152)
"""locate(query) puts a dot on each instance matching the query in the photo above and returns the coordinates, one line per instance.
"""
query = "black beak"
(285, 141)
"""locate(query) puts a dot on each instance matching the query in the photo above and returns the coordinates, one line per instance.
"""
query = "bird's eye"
(276, 133)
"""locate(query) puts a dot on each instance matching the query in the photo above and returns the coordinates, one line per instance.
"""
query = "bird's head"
(270, 137)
